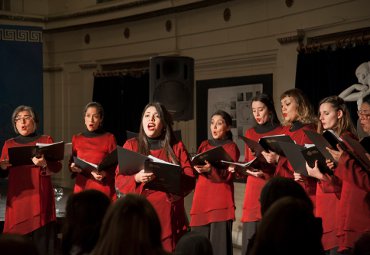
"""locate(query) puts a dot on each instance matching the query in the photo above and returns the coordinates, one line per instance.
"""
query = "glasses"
(363, 113)
(21, 119)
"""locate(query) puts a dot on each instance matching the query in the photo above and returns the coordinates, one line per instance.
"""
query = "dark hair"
(28, 109)
(228, 121)
(278, 187)
(345, 123)
(167, 137)
(131, 226)
(366, 99)
(99, 108)
(269, 103)
(305, 112)
(84, 214)
(289, 227)
(193, 243)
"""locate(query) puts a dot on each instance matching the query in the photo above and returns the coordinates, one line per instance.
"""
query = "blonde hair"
(305, 112)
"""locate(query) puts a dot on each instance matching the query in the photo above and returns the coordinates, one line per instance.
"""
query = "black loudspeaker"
(172, 84)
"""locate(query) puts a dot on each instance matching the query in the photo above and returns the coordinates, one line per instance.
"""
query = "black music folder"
(253, 145)
(130, 162)
(109, 161)
(321, 143)
(214, 156)
(299, 155)
(333, 139)
(23, 155)
(272, 143)
(357, 151)
(167, 177)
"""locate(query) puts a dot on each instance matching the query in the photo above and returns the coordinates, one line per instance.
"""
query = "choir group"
(338, 197)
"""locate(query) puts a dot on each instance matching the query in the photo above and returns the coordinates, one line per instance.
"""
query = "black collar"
(266, 127)
(94, 133)
(216, 142)
(155, 143)
(27, 139)
(295, 126)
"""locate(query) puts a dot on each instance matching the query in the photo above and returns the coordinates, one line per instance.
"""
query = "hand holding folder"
(299, 155)
(23, 155)
(272, 143)
(110, 161)
(214, 156)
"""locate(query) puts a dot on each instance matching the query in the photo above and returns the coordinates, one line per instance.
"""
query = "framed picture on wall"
(232, 95)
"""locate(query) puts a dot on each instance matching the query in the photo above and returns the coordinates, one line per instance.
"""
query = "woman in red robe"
(156, 138)
(30, 206)
(264, 113)
(93, 146)
(333, 115)
(298, 115)
(213, 209)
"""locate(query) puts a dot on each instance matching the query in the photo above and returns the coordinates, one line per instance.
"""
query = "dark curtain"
(123, 99)
(328, 72)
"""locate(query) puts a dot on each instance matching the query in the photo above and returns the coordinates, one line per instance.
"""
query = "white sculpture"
(356, 92)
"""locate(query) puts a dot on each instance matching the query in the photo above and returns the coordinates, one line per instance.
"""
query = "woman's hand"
(315, 172)
(298, 177)
(203, 168)
(4, 164)
(74, 168)
(334, 153)
(144, 177)
(271, 157)
(99, 176)
(40, 161)
(256, 173)
(231, 168)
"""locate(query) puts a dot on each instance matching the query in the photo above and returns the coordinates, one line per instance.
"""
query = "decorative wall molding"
(20, 35)
(295, 38)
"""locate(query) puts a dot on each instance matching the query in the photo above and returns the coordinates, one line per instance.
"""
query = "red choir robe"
(353, 213)
(213, 199)
(94, 148)
(284, 169)
(352, 172)
(328, 195)
(170, 208)
(30, 199)
(252, 207)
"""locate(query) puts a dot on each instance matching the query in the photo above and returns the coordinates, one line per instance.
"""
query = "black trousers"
(249, 230)
(44, 238)
(220, 235)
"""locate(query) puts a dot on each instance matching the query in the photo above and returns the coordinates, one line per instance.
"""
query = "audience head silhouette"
(84, 214)
(279, 187)
(13, 244)
(194, 243)
(131, 227)
(289, 227)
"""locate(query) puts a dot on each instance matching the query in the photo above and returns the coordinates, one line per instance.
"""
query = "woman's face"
(260, 112)
(218, 127)
(151, 122)
(24, 123)
(92, 119)
(329, 116)
(364, 117)
(289, 109)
